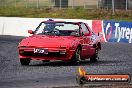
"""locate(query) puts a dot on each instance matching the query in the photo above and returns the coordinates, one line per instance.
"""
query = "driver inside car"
(50, 28)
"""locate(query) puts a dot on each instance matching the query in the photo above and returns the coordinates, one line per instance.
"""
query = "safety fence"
(112, 31)
(50, 3)
(87, 4)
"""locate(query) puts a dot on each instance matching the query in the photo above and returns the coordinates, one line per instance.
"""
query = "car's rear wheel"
(95, 57)
(77, 56)
(24, 61)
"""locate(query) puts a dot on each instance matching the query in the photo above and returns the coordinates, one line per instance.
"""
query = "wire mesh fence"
(87, 4)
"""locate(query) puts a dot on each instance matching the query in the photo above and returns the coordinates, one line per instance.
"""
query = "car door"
(85, 36)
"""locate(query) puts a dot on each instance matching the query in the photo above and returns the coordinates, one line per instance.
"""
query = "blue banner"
(115, 31)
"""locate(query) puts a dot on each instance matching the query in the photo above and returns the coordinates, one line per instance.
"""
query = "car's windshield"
(57, 28)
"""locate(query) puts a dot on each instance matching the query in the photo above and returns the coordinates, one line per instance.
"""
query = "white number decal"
(38, 50)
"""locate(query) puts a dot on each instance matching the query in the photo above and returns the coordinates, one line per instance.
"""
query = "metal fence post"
(4, 3)
(126, 5)
(26, 3)
(49, 3)
(113, 7)
(52, 3)
(15, 3)
(60, 4)
(84, 4)
(97, 4)
(72, 4)
(37, 3)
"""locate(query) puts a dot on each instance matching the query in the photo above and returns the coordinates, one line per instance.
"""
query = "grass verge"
(76, 13)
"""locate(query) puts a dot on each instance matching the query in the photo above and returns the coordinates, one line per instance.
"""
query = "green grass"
(76, 13)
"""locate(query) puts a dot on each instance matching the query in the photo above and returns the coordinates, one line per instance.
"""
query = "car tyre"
(95, 57)
(24, 61)
(77, 56)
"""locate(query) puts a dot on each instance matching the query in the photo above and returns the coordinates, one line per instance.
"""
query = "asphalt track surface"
(115, 58)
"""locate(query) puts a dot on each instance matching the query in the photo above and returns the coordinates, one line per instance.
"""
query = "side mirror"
(30, 31)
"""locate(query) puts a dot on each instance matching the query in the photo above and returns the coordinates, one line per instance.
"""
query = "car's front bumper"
(52, 54)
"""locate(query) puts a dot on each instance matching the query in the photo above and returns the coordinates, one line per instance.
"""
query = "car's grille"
(50, 54)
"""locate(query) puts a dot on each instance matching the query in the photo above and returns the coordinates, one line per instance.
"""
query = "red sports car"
(60, 40)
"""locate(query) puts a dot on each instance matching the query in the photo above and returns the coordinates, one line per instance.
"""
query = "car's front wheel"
(77, 56)
(95, 57)
(24, 61)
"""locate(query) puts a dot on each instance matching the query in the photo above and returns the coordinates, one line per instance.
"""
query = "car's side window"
(84, 28)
